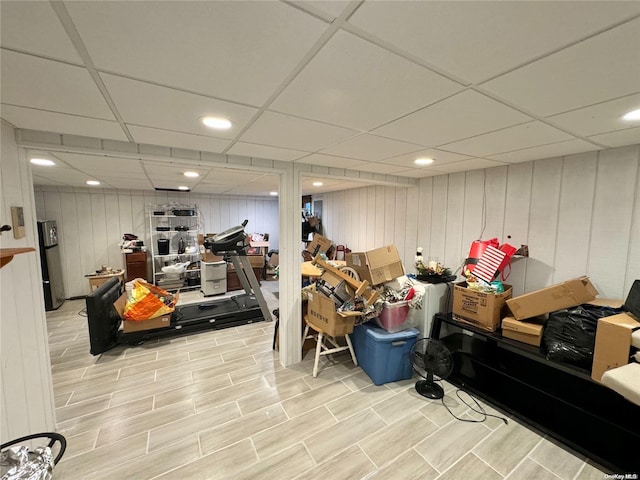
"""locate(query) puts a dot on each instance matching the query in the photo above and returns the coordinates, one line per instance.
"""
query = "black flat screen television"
(102, 317)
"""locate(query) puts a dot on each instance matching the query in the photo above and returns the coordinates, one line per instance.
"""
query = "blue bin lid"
(378, 333)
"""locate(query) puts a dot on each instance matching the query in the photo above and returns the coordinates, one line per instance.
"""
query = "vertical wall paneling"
(425, 208)
(495, 189)
(26, 393)
(71, 243)
(78, 286)
(543, 223)
(99, 225)
(454, 216)
(633, 257)
(574, 219)
(398, 222)
(439, 218)
(474, 212)
(516, 219)
(411, 229)
(611, 219)
(369, 228)
(114, 231)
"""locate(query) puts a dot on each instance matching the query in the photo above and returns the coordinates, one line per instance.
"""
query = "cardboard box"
(129, 326)
(322, 314)
(377, 266)
(613, 343)
(526, 332)
(483, 310)
(323, 244)
(549, 299)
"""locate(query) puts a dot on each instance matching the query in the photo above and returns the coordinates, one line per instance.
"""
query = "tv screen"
(102, 317)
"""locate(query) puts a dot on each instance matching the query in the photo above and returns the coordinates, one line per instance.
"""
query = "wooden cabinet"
(136, 265)
(233, 282)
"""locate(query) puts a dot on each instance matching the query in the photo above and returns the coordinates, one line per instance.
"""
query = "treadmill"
(240, 309)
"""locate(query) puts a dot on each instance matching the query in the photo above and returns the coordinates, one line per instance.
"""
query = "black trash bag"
(570, 334)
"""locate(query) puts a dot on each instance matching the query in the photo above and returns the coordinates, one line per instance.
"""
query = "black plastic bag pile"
(570, 334)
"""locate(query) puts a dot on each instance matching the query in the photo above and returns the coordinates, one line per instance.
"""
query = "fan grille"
(431, 356)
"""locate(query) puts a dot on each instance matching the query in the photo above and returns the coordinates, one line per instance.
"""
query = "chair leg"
(353, 354)
(275, 333)
(318, 350)
(304, 336)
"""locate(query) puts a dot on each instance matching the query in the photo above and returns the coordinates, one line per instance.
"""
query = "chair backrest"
(351, 272)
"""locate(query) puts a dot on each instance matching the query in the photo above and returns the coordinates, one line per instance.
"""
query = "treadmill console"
(233, 239)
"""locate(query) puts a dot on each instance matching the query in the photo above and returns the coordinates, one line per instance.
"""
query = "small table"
(95, 280)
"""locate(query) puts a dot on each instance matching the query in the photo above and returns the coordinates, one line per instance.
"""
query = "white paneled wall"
(91, 223)
(578, 214)
(26, 392)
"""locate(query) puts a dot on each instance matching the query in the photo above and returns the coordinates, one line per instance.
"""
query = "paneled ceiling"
(363, 85)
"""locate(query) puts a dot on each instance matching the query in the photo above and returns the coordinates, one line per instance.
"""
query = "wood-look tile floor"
(218, 405)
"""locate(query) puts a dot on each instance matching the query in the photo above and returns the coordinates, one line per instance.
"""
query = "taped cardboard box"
(322, 314)
(129, 326)
(483, 310)
(527, 332)
(322, 244)
(549, 299)
(377, 266)
(613, 343)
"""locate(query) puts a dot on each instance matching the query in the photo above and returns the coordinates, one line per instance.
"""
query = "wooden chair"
(321, 348)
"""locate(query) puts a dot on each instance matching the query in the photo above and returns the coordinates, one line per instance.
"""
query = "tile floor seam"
(582, 467)
(543, 466)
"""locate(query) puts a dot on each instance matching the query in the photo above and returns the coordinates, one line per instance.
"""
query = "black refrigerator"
(51, 265)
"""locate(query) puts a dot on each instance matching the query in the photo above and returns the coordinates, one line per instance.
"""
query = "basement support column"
(290, 329)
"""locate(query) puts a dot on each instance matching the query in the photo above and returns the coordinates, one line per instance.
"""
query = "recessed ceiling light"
(183, 187)
(317, 184)
(273, 194)
(632, 115)
(191, 174)
(423, 161)
(93, 182)
(43, 161)
(217, 123)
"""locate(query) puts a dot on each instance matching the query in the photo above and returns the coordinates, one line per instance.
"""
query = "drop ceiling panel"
(284, 131)
(227, 176)
(265, 151)
(465, 165)
(210, 188)
(47, 85)
(32, 119)
(348, 73)
(332, 7)
(155, 136)
(149, 105)
(513, 138)
(130, 183)
(371, 148)
(331, 161)
(477, 40)
(601, 118)
(559, 149)
(598, 69)
(381, 168)
(620, 138)
(208, 47)
(115, 166)
(46, 180)
(464, 115)
(34, 27)
(173, 172)
(440, 157)
(419, 173)
(68, 176)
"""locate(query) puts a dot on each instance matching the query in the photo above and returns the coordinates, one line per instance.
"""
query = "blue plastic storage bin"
(384, 356)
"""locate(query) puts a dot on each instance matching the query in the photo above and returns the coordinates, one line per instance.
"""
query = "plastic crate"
(393, 316)
(384, 356)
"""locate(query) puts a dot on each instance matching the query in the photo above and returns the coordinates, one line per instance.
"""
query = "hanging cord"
(480, 410)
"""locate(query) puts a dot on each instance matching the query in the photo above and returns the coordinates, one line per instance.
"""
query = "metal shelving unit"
(165, 252)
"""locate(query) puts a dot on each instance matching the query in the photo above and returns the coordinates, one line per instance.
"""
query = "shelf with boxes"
(175, 253)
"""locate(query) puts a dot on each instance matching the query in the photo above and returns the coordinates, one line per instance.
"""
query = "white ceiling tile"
(48, 85)
(265, 151)
(601, 118)
(210, 188)
(440, 157)
(330, 161)
(620, 138)
(34, 27)
(333, 7)
(230, 176)
(477, 40)
(207, 47)
(465, 165)
(130, 183)
(103, 165)
(559, 149)
(338, 85)
(371, 147)
(149, 105)
(513, 138)
(178, 140)
(33, 119)
(46, 180)
(598, 69)
(284, 131)
(464, 115)
(419, 173)
(381, 168)
(173, 172)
